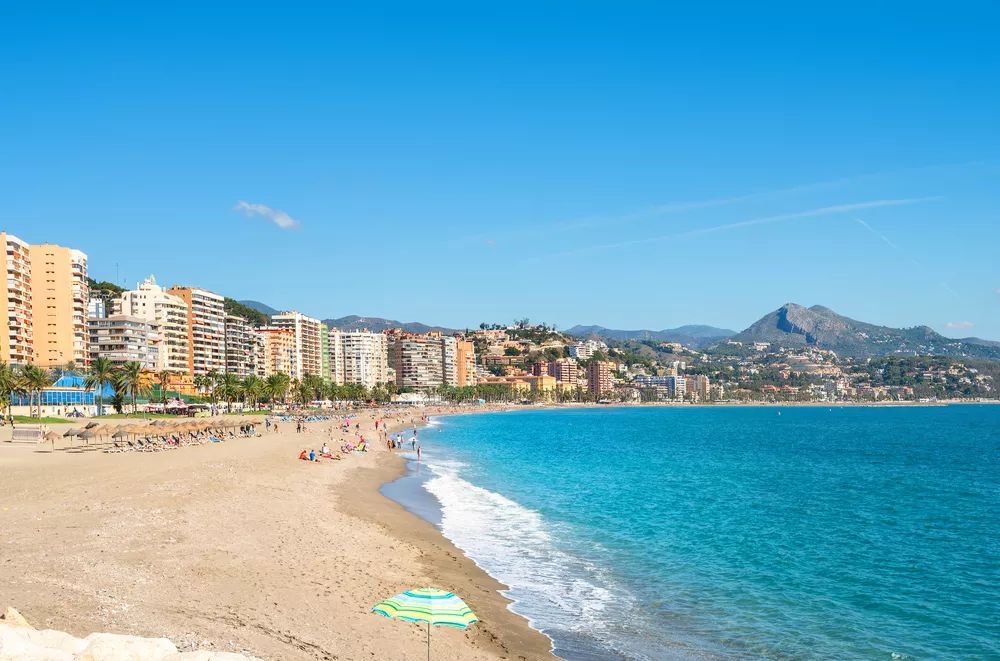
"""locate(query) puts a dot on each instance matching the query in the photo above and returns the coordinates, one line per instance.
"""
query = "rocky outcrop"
(20, 642)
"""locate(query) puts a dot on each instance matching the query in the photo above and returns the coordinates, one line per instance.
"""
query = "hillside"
(692, 336)
(378, 324)
(260, 307)
(793, 325)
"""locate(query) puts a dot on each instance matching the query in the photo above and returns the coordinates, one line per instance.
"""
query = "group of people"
(325, 453)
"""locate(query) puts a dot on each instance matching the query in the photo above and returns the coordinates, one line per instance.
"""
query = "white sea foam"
(550, 587)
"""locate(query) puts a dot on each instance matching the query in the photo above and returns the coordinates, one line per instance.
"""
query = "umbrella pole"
(428, 641)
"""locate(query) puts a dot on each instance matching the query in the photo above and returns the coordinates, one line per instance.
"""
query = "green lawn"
(24, 419)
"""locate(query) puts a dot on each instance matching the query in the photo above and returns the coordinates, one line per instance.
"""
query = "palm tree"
(253, 389)
(201, 382)
(10, 385)
(213, 376)
(229, 388)
(100, 375)
(120, 389)
(35, 380)
(136, 381)
(164, 378)
(276, 385)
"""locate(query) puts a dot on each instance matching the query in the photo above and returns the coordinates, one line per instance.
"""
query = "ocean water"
(731, 533)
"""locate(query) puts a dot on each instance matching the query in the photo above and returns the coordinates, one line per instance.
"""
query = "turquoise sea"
(731, 533)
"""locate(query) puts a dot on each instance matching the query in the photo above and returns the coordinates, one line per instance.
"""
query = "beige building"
(206, 329)
(465, 363)
(17, 346)
(167, 316)
(308, 342)
(279, 351)
(359, 357)
(59, 295)
(122, 339)
(424, 362)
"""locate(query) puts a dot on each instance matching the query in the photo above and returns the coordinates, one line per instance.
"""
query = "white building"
(167, 317)
(359, 357)
(308, 341)
(122, 339)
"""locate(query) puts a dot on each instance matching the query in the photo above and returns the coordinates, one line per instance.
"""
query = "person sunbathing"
(304, 456)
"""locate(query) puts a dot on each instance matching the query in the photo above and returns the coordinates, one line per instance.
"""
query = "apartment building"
(167, 315)
(565, 370)
(122, 339)
(424, 362)
(599, 379)
(17, 345)
(241, 347)
(59, 296)
(359, 357)
(324, 352)
(278, 349)
(307, 333)
(206, 329)
(465, 363)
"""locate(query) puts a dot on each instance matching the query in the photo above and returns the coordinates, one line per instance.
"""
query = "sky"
(632, 165)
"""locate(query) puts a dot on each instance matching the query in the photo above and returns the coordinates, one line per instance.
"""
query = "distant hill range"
(378, 324)
(692, 337)
(793, 325)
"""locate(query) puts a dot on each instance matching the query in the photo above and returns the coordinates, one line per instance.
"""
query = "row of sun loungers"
(173, 441)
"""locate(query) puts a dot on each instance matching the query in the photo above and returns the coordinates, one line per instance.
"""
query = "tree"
(213, 376)
(35, 380)
(10, 384)
(135, 380)
(253, 390)
(276, 385)
(100, 375)
(229, 388)
(164, 378)
(512, 351)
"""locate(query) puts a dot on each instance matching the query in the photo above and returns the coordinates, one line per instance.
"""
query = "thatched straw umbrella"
(70, 433)
(52, 437)
(86, 435)
(91, 425)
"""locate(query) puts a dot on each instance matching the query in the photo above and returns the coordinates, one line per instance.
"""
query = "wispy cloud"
(875, 232)
(492, 244)
(276, 216)
(821, 211)
(959, 325)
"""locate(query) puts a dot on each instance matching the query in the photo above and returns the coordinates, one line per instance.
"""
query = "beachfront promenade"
(237, 547)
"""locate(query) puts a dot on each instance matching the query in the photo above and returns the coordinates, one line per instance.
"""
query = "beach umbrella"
(86, 435)
(72, 432)
(91, 425)
(52, 437)
(428, 605)
(121, 433)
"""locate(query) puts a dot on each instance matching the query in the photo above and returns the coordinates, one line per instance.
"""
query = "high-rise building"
(206, 329)
(306, 331)
(359, 357)
(565, 370)
(599, 379)
(122, 339)
(465, 363)
(59, 296)
(17, 344)
(279, 351)
(168, 316)
(241, 347)
(424, 362)
(324, 352)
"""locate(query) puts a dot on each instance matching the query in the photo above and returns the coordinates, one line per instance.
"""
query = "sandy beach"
(238, 547)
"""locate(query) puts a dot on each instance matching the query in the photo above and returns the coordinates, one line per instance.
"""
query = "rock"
(55, 640)
(12, 618)
(112, 647)
(14, 644)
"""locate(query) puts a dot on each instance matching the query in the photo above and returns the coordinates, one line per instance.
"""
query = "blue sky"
(624, 164)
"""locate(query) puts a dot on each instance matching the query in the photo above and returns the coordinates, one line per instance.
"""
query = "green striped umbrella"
(428, 605)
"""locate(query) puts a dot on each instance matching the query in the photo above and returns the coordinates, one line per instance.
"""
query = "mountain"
(692, 337)
(260, 307)
(979, 340)
(793, 326)
(378, 324)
